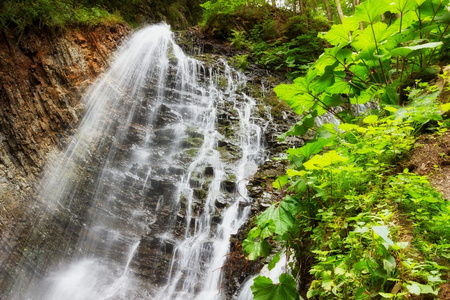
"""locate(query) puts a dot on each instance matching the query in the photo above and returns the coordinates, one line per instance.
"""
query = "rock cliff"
(42, 77)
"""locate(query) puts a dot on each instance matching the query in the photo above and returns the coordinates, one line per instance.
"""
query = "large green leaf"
(359, 70)
(325, 102)
(390, 96)
(274, 261)
(282, 214)
(370, 11)
(325, 80)
(326, 59)
(310, 148)
(402, 6)
(340, 34)
(366, 96)
(412, 51)
(254, 246)
(444, 18)
(264, 289)
(367, 38)
(321, 161)
(431, 8)
(296, 95)
(280, 182)
(301, 127)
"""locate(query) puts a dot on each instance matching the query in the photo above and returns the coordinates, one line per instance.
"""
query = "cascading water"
(150, 187)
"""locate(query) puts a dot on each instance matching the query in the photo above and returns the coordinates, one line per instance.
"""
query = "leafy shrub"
(342, 202)
(239, 62)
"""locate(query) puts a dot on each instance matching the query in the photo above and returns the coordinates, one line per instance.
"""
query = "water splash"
(150, 187)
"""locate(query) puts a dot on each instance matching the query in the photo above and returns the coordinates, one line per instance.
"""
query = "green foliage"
(239, 62)
(59, 13)
(292, 56)
(341, 202)
(217, 7)
(373, 64)
(264, 289)
(345, 204)
(276, 39)
(20, 14)
(239, 39)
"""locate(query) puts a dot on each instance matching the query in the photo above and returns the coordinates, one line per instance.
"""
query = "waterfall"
(152, 183)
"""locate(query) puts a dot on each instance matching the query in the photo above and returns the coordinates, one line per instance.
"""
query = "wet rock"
(209, 171)
(229, 186)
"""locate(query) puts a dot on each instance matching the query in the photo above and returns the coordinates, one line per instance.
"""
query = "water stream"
(153, 182)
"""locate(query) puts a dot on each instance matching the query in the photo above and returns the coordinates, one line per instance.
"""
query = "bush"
(54, 13)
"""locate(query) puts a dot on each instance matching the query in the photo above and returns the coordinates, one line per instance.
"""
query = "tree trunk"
(339, 9)
(330, 16)
(356, 3)
(274, 4)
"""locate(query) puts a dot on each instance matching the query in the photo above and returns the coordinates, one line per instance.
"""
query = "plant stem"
(378, 52)
(328, 108)
(348, 70)
(432, 53)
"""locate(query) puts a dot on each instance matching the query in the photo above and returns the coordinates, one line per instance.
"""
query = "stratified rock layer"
(42, 77)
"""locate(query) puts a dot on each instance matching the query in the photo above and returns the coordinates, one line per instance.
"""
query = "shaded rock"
(42, 78)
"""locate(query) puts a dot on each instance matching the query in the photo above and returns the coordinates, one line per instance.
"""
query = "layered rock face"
(42, 78)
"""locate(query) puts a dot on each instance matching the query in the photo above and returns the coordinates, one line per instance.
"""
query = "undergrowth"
(351, 224)
(19, 15)
(274, 39)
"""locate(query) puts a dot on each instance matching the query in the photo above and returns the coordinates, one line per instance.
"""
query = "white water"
(127, 177)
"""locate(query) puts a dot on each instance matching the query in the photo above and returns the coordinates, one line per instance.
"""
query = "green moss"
(200, 194)
(192, 152)
(192, 142)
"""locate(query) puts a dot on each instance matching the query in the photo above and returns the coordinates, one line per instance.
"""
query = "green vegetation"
(19, 15)
(58, 13)
(352, 224)
(274, 38)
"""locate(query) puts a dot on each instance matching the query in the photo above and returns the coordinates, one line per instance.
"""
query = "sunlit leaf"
(389, 264)
(292, 173)
(402, 6)
(321, 161)
(372, 119)
(383, 232)
(413, 288)
(350, 127)
(412, 51)
(339, 34)
(445, 107)
(280, 182)
(370, 11)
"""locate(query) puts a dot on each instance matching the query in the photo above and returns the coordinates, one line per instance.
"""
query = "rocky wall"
(42, 78)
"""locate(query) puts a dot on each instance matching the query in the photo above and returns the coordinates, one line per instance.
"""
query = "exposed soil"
(431, 156)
